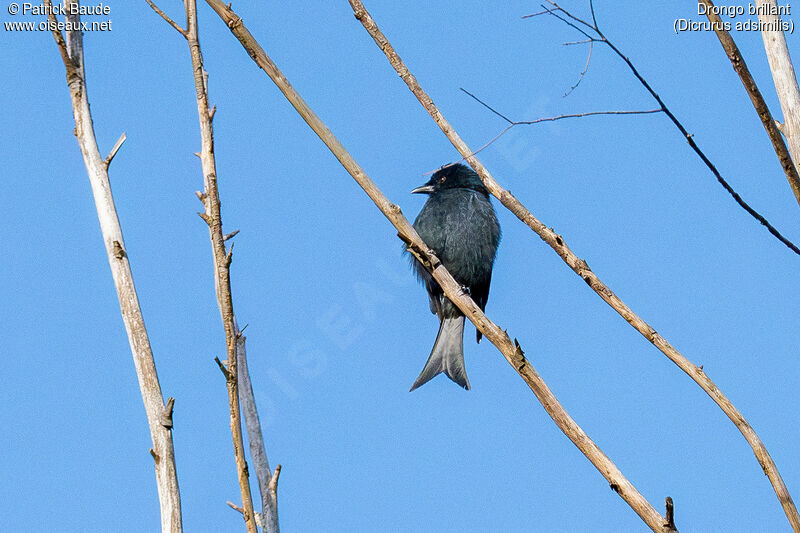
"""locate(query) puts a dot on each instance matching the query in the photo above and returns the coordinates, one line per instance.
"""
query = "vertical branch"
(159, 416)
(760, 105)
(240, 390)
(267, 480)
(222, 258)
(783, 75)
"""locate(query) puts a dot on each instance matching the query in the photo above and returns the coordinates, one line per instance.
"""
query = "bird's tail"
(447, 355)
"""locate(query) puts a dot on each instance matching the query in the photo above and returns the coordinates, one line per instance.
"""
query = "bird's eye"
(442, 179)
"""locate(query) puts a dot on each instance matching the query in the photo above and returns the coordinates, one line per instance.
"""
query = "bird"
(459, 224)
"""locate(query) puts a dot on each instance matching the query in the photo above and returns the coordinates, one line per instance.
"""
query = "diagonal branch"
(600, 37)
(115, 149)
(159, 416)
(511, 350)
(580, 267)
(756, 98)
(168, 20)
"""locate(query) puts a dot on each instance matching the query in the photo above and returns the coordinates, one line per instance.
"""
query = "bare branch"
(259, 518)
(115, 149)
(760, 105)
(267, 481)
(783, 75)
(560, 117)
(545, 119)
(553, 13)
(489, 142)
(221, 259)
(490, 108)
(60, 43)
(166, 416)
(273, 483)
(222, 368)
(670, 513)
(592, 27)
(162, 451)
(580, 267)
(544, 12)
(169, 20)
(585, 69)
(689, 138)
(590, 114)
(452, 289)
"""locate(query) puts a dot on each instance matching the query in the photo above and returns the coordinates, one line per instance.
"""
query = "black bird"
(459, 224)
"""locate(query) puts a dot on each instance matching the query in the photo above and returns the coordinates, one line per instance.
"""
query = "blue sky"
(338, 327)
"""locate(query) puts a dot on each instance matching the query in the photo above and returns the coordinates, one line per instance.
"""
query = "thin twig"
(222, 368)
(546, 119)
(760, 105)
(115, 149)
(585, 69)
(490, 108)
(560, 117)
(553, 13)
(452, 289)
(600, 37)
(578, 265)
(591, 113)
(159, 416)
(259, 518)
(169, 20)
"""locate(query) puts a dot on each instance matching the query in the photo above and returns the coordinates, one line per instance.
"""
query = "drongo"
(459, 224)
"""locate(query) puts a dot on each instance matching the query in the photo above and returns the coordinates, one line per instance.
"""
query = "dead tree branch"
(783, 75)
(593, 34)
(511, 350)
(221, 257)
(760, 105)
(258, 453)
(168, 20)
(159, 416)
(578, 265)
(512, 123)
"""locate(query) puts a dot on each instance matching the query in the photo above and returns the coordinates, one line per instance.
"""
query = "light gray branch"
(783, 75)
(258, 453)
(159, 416)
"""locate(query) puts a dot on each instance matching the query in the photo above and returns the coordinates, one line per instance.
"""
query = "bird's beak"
(423, 189)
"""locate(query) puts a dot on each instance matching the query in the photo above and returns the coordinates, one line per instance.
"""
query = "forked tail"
(447, 355)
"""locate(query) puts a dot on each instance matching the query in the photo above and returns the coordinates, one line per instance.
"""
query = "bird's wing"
(480, 293)
(435, 296)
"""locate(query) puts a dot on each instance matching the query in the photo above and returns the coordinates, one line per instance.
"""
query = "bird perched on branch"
(459, 224)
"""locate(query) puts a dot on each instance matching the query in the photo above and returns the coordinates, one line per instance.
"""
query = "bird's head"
(456, 176)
